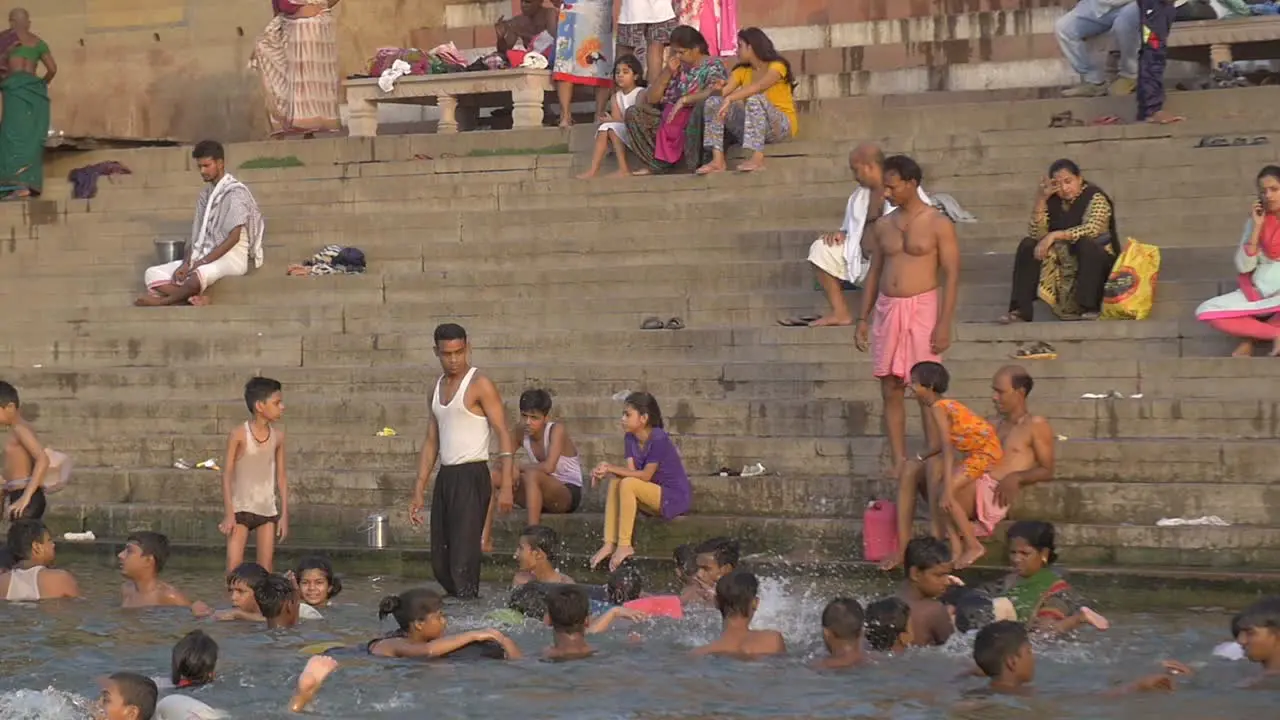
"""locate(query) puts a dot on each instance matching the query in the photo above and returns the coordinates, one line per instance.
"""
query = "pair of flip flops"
(1220, 141)
(656, 323)
(1066, 119)
(802, 321)
(1036, 351)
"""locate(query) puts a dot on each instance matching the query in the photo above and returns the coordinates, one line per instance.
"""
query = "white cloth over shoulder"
(855, 221)
(183, 707)
(221, 209)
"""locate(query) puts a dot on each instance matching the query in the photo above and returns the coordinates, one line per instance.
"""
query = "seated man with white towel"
(226, 237)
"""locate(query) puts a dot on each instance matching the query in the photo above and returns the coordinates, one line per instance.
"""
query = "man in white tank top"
(466, 411)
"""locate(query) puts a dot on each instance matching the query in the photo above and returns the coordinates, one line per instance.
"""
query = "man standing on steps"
(913, 251)
(1157, 22)
(466, 411)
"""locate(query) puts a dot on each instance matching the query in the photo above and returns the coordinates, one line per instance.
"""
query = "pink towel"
(902, 333)
(670, 143)
(987, 512)
(728, 29)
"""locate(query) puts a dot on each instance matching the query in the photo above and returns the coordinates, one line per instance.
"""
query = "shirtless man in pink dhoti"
(1029, 444)
(913, 251)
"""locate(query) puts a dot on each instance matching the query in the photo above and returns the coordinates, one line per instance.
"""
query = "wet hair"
(273, 593)
(542, 539)
(321, 563)
(410, 606)
(9, 395)
(686, 559)
(996, 644)
(762, 46)
(153, 545)
(974, 611)
(904, 167)
(924, 553)
(625, 584)
(645, 404)
(535, 400)
(24, 533)
(448, 331)
(1264, 613)
(208, 150)
(1236, 628)
(885, 621)
(1037, 534)
(736, 593)
(137, 691)
(932, 375)
(725, 550)
(568, 607)
(637, 69)
(689, 38)
(529, 599)
(260, 389)
(1270, 171)
(1064, 164)
(194, 659)
(844, 618)
(249, 573)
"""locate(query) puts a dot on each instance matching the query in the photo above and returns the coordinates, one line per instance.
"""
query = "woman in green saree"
(24, 126)
(1043, 600)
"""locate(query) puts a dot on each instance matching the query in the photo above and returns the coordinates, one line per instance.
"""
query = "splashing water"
(47, 704)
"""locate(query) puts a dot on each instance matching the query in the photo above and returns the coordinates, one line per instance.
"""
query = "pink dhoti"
(902, 333)
(987, 512)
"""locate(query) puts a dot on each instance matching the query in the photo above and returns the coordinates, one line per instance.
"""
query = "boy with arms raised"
(253, 471)
(737, 598)
(141, 561)
(31, 577)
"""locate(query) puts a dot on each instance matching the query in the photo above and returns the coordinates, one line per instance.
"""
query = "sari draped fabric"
(1258, 278)
(584, 43)
(24, 128)
(644, 120)
(1044, 597)
(1060, 268)
(298, 62)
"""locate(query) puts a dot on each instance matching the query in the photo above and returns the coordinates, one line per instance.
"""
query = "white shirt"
(640, 12)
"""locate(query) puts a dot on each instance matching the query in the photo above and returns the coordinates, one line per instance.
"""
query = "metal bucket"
(168, 250)
(375, 529)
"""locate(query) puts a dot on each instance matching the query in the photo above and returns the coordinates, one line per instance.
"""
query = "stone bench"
(469, 90)
(1245, 38)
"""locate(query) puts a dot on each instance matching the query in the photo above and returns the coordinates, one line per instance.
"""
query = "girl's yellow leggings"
(626, 496)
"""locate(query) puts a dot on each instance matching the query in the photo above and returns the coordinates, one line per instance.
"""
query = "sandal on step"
(652, 323)
(1036, 351)
(675, 323)
(1010, 318)
(802, 321)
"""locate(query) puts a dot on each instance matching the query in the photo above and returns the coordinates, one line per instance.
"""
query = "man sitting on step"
(1089, 19)
(226, 237)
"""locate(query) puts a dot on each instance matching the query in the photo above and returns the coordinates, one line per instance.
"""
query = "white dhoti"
(235, 262)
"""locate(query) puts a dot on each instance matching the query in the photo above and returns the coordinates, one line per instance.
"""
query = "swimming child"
(31, 575)
(714, 559)
(888, 624)
(737, 598)
(420, 614)
(927, 567)
(26, 462)
(192, 664)
(628, 76)
(1259, 634)
(842, 622)
(536, 556)
(568, 615)
(654, 479)
(317, 584)
(956, 429)
(624, 584)
(254, 470)
(128, 696)
(1041, 598)
(240, 584)
(278, 601)
(143, 558)
(970, 609)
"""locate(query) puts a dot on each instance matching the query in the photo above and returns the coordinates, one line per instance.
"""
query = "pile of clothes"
(84, 180)
(332, 260)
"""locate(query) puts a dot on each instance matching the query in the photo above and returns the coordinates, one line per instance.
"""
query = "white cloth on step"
(398, 69)
(855, 221)
(1205, 520)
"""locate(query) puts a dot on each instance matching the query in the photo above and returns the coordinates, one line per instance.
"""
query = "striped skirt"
(298, 61)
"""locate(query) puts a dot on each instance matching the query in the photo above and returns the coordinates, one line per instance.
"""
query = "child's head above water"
(640, 411)
(1031, 546)
(240, 584)
(928, 566)
(535, 406)
(195, 657)
(537, 545)
(568, 609)
(737, 595)
(842, 622)
(128, 696)
(316, 581)
(1257, 629)
(265, 398)
(716, 558)
(1002, 652)
(144, 555)
(29, 541)
(418, 612)
(278, 600)
(529, 599)
(686, 559)
(970, 609)
(929, 380)
(625, 584)
(9, 404)
(628, 73)
(887, 624)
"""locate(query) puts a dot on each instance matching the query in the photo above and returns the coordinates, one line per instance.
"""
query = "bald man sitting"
(1028, 442)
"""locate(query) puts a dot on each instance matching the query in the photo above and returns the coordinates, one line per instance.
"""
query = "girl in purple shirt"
(653, 480)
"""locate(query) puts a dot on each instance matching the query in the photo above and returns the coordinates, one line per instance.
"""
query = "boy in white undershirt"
(253, 471)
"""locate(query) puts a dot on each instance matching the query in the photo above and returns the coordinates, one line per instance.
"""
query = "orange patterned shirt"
(974, 437)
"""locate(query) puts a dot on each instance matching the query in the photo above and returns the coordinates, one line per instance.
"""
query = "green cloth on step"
(24, 127)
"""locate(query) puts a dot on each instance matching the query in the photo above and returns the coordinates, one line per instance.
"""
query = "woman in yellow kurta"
(757, 106)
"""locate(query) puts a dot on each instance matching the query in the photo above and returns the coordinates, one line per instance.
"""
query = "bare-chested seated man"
(913, 252)
(226, 237)
(533, 20)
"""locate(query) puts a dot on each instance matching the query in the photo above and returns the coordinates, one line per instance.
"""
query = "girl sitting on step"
(628, 77)
(653, 480)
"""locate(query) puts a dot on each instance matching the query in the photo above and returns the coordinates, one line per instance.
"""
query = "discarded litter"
(1136, 396)
(86, 536)
(209, 464)
(182, 464)
(1063, 438)
(386, 432)
(753, 470)
(1206, 520)
(1103, 396)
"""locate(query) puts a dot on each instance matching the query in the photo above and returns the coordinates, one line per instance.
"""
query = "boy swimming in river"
(143, 557)
(30, 576)
(240, 584)
(928, 575)
(568, 614)
(422, 624)
(536, 557)
(737, 598)
(279, 601)
(842, 623)
(887, 625)
(127, 696)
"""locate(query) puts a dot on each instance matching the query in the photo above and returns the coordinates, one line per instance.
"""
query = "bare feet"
(313, 676)
(620, 556)
(641, 172)
(1095, 619)
(199, 300)
(1244, 349)
(750, 167)
(150, 301)
(1010, 318)
(970, 556)
(620, 174)
(712, 167)
(566, 123)
(486, 543)
(832, 321)
(587, 175)
(894, 471)
(605, 551)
